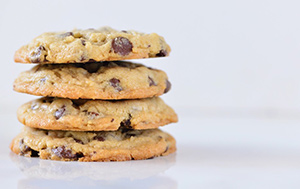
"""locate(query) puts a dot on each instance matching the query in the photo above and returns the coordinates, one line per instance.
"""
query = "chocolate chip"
(124, 31)
(34, 153)
(151, 82)
(168, 86)
(99, 138)
(116, 84)
(66, 34)
(27, 150)
(78, 141)
(24, 148)
(112, 120)
(127, 122)
(41, 48)
(62, 152)
(60, 112)
(79, 102)
(38, 55)
(91, 67)
(125, 129)
(121, 45)
(162, 53)
(83, 42)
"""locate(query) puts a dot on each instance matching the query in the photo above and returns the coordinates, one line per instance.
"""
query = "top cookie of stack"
(80, 46)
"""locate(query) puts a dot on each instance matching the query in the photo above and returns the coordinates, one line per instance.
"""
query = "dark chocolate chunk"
(60, 112)
(121, 45)
(66, 34)
(62, 152)
(24, 148)
(36, 56)
(168, 86)
(124, 31)
(162, 53)
(91, 67)
(151, 82)
(79, 102)
(112, 120)
(127, 122)
(27, 150)
(34, 153)
(116, 84)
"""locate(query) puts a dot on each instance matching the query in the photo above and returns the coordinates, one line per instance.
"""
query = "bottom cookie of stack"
(120, 145)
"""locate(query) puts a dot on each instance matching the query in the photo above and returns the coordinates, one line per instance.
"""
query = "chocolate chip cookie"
(104, 44)
(120, 145)
(100, 80)
(95, 115)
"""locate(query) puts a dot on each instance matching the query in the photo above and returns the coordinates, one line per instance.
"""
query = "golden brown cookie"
(95, 115)
(121, 145)
(104, 44)
(100, 80)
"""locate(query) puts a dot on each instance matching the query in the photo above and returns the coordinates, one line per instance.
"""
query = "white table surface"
(213, 152)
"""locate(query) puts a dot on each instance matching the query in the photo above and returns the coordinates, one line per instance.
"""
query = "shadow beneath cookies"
(131, 174)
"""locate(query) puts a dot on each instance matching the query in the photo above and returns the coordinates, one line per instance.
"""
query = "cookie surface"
(99, 80)
(95, 115)
(121, 145)
(103, 44)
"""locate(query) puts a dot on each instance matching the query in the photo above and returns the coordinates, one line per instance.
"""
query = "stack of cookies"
(96, 107)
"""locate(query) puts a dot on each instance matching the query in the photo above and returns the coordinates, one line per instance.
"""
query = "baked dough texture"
(80, 46)
(121, 145)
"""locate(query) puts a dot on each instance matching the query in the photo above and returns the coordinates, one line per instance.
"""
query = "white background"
(226, 55)
(234, 67)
